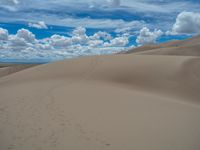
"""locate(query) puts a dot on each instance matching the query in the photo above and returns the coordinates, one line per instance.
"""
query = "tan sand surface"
(189, 47)
(7, 69)
(116, 102)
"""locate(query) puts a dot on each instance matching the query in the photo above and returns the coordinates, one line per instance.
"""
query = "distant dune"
(189, 47)
(6, 69)
(129, 101)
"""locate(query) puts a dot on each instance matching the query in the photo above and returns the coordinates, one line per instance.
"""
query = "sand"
(114, 102)
(7, 69)
(189, 47)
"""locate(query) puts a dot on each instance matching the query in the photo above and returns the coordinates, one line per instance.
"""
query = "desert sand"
(188, 47)
(116, 102)
(6, 69)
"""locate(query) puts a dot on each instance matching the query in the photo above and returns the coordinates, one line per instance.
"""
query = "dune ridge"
(188, 47)
(113, 102)
(7, 69)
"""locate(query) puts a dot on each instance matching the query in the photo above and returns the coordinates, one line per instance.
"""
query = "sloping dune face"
(9, 69)
(189, 47)
(119, 102)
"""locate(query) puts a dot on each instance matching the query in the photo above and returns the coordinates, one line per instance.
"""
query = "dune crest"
(188, 47)
(7, 69)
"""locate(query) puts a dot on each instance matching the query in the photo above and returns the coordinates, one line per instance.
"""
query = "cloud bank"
(24, 45)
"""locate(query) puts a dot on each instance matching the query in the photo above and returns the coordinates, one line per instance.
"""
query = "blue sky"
(49, 30)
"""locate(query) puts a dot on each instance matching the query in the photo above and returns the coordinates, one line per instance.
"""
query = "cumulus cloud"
(101, 35)
(186, 23)
(95, 43)
(38, 25)
(58, 41)
(148, 37)
(26, 35)
(23, 39)
(79, 31)
(3, 34)
(16, 42)
(79, 35)
(118, 41)
(24, 45)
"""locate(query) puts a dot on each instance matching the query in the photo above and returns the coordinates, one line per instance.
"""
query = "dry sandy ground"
(189, 47)
(116, 102)
(7, 69)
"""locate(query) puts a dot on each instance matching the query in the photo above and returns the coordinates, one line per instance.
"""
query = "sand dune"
(116, 102)
(189, 47)
(191, 50)
(7, 69)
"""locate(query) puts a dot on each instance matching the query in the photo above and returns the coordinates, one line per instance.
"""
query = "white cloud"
(38, 25)
(95, 43)
(118, 41)
(79, 35)
(24, 45)
(101, 35)
(123, 30)
(26, 35)
(148, 37)
(3, 34)
(16, 42)
(187, 23)
(79, 31)
(58, 41)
